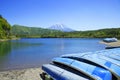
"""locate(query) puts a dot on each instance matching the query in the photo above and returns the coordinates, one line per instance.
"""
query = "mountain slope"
(24, 31)
(60, 27)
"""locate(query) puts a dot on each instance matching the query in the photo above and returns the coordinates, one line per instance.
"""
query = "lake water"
(25, 53)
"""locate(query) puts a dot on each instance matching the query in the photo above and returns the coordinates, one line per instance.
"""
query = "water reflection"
(17, 44)
(5, 48)
(26, 53)
(10, 56)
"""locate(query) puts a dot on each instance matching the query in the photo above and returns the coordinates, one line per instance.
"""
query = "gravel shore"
(24, 74)
(112, 44)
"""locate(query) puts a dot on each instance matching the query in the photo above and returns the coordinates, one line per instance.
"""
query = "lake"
(26, 53)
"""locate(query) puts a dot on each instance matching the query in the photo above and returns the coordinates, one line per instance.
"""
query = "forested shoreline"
(5, 28)
(7, 32)
(32, 32)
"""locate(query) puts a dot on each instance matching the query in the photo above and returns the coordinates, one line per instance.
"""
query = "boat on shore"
(99, 65)
(108, 40)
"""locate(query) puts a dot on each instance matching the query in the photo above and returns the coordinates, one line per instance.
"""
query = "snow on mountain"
(60, 27)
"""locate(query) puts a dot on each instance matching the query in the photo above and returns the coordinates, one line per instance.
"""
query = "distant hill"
(25, 31)
(61, 27)
(4, 28)
(55, 31)
(33, 32)
(102, 33)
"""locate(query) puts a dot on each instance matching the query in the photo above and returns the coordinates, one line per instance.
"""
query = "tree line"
(6, 31)
(24, 31)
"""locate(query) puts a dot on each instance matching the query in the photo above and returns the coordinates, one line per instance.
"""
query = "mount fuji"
(61, 27)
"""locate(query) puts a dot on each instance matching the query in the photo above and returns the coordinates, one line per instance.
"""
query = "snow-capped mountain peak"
(60, 27)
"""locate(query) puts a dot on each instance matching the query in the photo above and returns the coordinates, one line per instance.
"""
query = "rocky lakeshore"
(112, 44)
(24, 74)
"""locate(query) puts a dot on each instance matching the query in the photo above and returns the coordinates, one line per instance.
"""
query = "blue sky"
(76, 14)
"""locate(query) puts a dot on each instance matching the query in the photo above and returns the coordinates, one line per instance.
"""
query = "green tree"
(4, 28)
